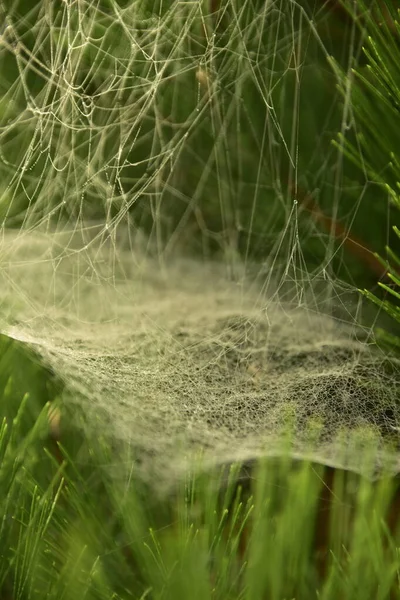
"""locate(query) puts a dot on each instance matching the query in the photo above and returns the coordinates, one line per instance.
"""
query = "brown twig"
(353, 244)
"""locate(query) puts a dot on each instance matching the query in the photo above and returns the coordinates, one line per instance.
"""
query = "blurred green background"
(199, 123)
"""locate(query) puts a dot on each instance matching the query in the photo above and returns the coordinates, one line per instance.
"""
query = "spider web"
(142, 150)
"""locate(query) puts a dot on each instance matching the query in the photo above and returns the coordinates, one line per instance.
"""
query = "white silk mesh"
(113, 108)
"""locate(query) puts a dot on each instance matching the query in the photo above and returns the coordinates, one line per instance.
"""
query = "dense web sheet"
(121, 141)
(177, 359)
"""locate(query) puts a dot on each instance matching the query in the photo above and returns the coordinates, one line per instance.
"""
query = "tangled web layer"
(178, 358)
(174, 118)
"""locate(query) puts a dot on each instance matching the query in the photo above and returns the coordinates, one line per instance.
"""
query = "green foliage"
(75, 521)
(83, 526)
(375, 105)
